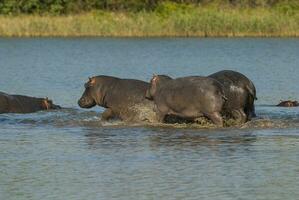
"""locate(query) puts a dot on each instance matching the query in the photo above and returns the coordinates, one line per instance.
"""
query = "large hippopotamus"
(288, 103)
(187, 97)
(122, 98)
(24, 104)
(240, 93)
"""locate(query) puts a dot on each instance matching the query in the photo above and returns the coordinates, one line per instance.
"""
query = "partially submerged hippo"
(288, 103)
(187, 97)
(122, 98)
(240, 93)
(24, 104)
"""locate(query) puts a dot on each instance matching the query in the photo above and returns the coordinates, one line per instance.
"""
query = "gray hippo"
(240, 93)
(122, 98)
(288, 103)
(24, 104)
(187, 97)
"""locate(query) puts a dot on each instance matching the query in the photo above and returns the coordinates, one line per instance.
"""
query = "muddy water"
(69, 154)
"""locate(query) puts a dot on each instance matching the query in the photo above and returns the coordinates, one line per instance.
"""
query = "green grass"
(209, 21)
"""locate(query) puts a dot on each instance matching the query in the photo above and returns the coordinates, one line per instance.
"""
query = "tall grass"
(206, 21)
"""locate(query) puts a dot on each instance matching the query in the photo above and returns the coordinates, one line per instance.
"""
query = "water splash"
(268, 119)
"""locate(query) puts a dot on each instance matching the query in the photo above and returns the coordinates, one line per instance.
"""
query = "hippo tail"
(252, 91)
(250, 109)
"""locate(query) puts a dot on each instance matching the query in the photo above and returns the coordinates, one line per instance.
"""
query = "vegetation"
(149, 18)
(77, 6)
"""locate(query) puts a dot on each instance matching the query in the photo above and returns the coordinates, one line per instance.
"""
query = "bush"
(161, 6)
(288, 7)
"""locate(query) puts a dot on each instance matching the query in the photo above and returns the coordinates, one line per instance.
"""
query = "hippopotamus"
(240, 93)
(24, 104)
(123, 98)
(288, 103)
(187, 97)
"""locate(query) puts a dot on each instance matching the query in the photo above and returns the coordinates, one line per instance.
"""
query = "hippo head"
(89, 97)
(48, 104)
(288, 103)
(155, 84)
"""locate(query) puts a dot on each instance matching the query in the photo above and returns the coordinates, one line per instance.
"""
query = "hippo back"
(3, 103)
(203, 93)
(26, 104)
(22, 104)
(127, 92)
(235, 79)
(239, 90)
(126, 97)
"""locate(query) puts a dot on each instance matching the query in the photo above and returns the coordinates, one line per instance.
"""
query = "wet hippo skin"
(187, 97)
(240, 93)
(24, 104)
(288, 103)
(122, 98)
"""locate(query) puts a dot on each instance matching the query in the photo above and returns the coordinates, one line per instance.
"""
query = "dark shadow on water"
(171, 139)
(209, 137)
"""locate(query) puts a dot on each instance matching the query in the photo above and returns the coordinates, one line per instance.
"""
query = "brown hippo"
(288, 103)
(24, 104)
(240, 93)
(122, 98)
(187, 97)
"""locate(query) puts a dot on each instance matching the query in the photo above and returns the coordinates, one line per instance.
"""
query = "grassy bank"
(167, 21)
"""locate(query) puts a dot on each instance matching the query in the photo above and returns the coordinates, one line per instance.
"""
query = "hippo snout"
(81, 102)
(84, 102)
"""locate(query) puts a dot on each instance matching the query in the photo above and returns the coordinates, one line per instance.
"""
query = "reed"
(206, 21)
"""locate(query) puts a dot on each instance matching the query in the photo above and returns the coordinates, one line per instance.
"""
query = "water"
(69, 154)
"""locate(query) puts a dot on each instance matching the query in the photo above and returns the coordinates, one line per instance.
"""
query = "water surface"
(69, 154)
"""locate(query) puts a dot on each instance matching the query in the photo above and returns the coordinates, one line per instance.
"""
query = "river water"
(69, 154)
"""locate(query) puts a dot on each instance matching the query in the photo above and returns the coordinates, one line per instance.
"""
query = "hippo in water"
(288, 103)
(24, 104)
(240, 93)
(187, 97)
(122, 98)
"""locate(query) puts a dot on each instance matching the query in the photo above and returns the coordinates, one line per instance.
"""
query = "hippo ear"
(155, 78)
(45, 104)
(91, 82)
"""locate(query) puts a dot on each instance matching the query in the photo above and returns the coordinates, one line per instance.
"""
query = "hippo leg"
(251, 115)
(216, 118)
(239, 115)
(161, 117)
(250, 109)
(161, 113)
(107, 114)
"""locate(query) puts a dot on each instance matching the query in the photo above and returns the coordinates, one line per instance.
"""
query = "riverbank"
(185, 21)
